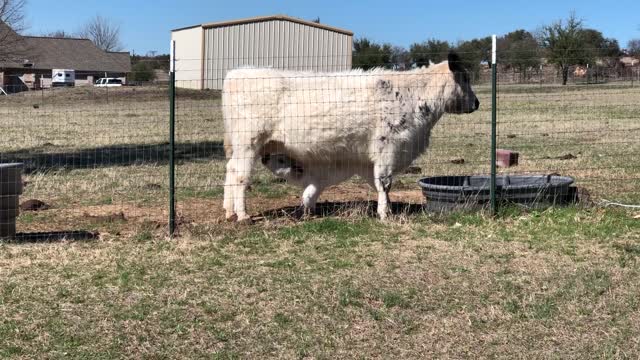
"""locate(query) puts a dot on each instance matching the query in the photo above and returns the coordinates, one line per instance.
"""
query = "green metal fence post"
(494, 72)
(172, 123)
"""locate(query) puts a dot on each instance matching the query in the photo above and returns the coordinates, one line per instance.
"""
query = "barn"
(204, 53)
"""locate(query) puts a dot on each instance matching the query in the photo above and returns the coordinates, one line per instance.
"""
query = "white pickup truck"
(108, 82)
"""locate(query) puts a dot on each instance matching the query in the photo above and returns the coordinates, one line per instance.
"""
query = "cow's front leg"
(382, 181)
(239, 174)
(229, 190)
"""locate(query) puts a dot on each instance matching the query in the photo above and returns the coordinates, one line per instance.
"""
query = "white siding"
(188, 57)
(273, 43)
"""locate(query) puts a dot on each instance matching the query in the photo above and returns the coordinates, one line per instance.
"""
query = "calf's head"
(283, 166)
(462, 100)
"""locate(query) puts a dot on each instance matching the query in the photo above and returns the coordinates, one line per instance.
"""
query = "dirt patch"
(413, 170)
(109, 218)
(121, 219)
(568, 156)
(343, 200)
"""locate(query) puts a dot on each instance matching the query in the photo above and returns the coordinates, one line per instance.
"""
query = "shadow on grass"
(49, 158)
(28, 238)
(327, 209)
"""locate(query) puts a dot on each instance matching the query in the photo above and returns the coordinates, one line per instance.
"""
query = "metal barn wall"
(275, 43)
(188, 57)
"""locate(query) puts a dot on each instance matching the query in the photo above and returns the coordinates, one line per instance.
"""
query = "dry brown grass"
(453, 286)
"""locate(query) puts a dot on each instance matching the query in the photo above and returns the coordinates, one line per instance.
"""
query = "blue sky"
(146, 25)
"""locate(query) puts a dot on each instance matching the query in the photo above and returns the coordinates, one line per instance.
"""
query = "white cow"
(372, 122)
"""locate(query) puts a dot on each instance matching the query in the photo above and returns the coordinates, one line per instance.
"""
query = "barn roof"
(268, 18)
(66, 53)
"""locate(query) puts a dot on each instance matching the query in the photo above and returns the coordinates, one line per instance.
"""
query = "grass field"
(560, 283)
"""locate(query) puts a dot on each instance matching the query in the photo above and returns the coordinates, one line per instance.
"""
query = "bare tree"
(400, 57)
(104, 33)
(633, 47)
(11, 23)
(58, 34)
(12, 13)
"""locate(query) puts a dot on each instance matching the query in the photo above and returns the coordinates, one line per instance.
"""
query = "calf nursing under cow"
(319, 129)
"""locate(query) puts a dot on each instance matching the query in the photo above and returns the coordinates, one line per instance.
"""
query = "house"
(205, 52)
(29, 61)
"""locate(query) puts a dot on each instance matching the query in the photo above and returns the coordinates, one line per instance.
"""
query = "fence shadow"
(46, 158)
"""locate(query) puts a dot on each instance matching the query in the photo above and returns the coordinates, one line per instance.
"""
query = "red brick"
(506, 158)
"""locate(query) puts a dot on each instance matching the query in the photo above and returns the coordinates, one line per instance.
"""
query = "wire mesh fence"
(93, 155)
(586, 129)
(98, 155)
(331, 120)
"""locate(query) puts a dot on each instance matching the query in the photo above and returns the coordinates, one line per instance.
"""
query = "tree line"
(564, 43)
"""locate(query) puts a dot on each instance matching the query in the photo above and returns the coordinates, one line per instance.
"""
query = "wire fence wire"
(94, 157)
(588, 129)
(326, 115)
(98, 156)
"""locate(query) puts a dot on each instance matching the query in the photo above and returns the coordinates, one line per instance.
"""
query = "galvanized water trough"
(10, 190)
(473, 192)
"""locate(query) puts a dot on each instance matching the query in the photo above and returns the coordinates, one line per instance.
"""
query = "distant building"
(32, 59)
(204, 53)
(629, 61)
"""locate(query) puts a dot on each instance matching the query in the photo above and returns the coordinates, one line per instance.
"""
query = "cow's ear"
(455, 63)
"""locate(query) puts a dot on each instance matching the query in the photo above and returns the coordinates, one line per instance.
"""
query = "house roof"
(9, 42)
(66, 53)
(268, 18)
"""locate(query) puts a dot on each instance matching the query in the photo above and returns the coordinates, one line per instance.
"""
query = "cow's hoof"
(298, 213)
(231, 218)
(245, 221)
(384, 217)
(302, 213)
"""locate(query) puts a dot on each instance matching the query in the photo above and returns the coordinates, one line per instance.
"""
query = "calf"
(313, 178)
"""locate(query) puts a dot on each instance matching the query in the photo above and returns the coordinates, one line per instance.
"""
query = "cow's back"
(318, 116)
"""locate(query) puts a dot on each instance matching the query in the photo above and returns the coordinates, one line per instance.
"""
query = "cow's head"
(463, 99)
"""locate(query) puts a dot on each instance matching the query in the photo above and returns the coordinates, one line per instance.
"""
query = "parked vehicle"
(108, 82)
(63, 77)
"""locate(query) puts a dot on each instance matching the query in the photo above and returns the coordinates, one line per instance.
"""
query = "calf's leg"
(310, 197)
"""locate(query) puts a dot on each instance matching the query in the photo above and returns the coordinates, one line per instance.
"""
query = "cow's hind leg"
(239, 174)
(382, 181)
